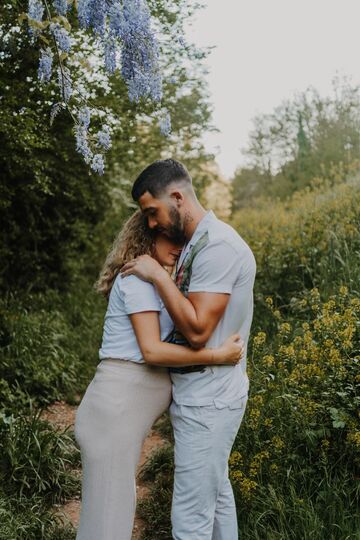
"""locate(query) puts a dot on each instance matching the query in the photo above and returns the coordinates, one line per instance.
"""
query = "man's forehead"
(147, 201)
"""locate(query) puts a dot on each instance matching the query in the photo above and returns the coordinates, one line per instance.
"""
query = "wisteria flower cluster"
(123, 29)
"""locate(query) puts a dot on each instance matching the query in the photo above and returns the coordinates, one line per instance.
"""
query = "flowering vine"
(128, 44)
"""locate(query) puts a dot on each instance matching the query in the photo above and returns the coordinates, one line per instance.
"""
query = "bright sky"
(267, 50)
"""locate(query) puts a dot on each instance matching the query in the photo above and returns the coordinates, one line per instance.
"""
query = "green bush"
(49, 345)
(36, 460)
(294, 462)
(310, 240)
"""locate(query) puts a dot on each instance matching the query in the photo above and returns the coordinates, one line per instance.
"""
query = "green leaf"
(39, 25)
(22, 17)
(45, 40)
(339, 424)
(63, 20)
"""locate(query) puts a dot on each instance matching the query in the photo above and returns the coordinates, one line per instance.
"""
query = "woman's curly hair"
(134, 239)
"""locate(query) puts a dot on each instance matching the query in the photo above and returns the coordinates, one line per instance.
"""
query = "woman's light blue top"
(130, 295)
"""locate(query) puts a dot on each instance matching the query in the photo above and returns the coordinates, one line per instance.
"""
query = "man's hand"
(144, 267)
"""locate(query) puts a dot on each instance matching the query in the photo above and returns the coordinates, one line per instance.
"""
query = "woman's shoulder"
(130, 283)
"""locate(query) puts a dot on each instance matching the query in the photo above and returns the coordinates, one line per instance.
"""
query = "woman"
(131, 387)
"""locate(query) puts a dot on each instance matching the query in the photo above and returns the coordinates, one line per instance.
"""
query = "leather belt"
(187, 369)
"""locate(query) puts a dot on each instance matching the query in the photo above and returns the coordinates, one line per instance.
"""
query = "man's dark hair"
(157, 176)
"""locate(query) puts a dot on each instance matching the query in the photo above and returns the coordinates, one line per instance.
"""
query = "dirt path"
(62, 415)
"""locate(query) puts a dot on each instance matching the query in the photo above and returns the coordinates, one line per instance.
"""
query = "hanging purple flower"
(55, 109)
(126, 25)
(84, 13)
(60, 6)
(92, 14)
(124, 30)
(98, 17)
(35, 12)
(82, 144)
(131, 24)
(98, 164)
(181, 41)
(45, 65)
(61, 36)
(104, 139)
(116, 19)
(84, 117)
(110, 55)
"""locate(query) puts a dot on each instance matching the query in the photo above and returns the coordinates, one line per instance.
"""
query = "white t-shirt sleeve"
(139, 295)
(215, 269)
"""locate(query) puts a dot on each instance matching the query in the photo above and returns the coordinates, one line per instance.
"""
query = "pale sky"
(267, 50)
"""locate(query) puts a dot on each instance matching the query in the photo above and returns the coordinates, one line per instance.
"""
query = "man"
(211, 299)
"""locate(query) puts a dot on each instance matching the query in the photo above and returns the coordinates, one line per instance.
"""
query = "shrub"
(299, 443)
(49, 344)
(311, 240)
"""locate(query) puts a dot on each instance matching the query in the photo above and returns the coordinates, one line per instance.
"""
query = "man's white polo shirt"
(225, 265)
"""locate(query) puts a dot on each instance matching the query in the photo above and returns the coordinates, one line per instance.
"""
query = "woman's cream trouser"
(116, 413)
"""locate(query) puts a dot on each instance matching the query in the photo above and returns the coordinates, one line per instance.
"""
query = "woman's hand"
(230, 352)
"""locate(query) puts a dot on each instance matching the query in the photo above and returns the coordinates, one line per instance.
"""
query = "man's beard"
(175, 231)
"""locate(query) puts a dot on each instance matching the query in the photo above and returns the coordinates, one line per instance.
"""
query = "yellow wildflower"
(277, 443)
(285, 328)
(343, 290)
(354, 438)
(259, 339)
(305, 326)
(268, 360)
(235, 459)
(325, 444)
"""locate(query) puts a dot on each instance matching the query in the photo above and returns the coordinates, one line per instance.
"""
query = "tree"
(304, 138)
(54, 213)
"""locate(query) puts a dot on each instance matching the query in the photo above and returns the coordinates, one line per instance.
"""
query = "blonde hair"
(134, 239)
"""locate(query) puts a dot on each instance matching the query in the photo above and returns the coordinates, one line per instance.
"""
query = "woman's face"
(166, 252)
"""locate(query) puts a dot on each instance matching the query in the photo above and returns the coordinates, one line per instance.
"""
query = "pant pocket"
(200, 416)
(239, 403)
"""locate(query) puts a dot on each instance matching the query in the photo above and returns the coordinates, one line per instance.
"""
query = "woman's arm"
(156, 352)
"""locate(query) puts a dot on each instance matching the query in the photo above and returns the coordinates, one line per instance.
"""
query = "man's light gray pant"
(203, 506)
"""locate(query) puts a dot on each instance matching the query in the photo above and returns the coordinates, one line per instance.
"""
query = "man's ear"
(177, 196)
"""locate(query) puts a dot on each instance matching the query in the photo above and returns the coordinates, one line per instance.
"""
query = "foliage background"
(297, 202)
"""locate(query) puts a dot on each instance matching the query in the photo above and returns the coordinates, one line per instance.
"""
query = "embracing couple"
(178, 342)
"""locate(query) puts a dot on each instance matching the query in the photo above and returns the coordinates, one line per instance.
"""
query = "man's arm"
(214, 272)
(197, 316)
